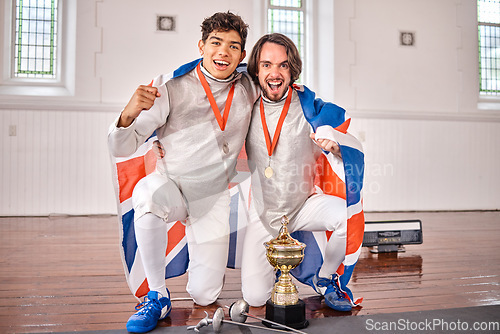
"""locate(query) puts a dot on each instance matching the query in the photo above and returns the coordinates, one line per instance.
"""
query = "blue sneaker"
(334, 297)
(149, 312)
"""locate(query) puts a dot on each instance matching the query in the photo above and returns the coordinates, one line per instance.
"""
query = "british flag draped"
(344, 181)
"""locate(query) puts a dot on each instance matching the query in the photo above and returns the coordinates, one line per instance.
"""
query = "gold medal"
(271, 143)
(225, 148)
(268, 172)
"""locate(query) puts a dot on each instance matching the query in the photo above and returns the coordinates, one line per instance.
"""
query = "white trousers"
(157, 202)
(319, 213)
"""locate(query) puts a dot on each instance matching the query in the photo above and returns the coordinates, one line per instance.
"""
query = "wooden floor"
(65, 273)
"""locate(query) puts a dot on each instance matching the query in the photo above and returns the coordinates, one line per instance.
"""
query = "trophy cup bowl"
(285, 253)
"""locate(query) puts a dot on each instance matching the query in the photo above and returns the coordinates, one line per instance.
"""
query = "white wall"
(58, 161)
(134, 53)
(427, 145)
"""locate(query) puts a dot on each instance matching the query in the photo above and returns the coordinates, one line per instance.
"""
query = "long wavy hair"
(294, 60)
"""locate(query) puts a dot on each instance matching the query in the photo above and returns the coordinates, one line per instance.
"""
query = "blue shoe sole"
(138, 329)
(341, 308)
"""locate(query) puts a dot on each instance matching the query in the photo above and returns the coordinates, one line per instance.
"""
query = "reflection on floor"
(65, 274)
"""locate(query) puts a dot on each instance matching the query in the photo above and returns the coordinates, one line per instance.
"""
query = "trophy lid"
(284, 240)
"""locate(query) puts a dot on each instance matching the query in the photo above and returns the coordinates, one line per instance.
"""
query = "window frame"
(484, 92)
(43, 53)
(64, 82)
(486, 101)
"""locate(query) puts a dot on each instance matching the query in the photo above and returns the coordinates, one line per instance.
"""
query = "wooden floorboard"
(65, 274)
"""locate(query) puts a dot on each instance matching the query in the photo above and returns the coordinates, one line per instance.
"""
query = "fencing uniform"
(191, 181)
(289, 191)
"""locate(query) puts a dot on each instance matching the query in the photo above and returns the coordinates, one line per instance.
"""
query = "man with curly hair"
(201, 119)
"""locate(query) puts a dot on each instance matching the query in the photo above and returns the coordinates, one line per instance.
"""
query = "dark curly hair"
(294, 60)
(225, 22)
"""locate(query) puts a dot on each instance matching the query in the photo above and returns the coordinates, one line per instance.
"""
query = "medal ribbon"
(222, 120)
(270, 148)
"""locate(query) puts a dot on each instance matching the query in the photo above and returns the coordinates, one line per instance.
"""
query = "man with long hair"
(283, 145)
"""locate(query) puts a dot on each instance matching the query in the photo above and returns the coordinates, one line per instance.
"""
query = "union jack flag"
(344, 181)
(129, 170)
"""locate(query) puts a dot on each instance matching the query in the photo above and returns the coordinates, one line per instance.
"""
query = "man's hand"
(143, 99)
(327, 145)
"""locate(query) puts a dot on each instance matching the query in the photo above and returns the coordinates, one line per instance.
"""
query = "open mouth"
(221, 64)
(275, 85)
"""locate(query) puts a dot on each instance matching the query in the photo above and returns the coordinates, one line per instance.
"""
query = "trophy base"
(289, 315)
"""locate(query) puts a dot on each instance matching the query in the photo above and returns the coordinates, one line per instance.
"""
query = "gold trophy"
(284, 306)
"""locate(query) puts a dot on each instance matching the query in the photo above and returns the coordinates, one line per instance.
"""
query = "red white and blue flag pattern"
(342, 180)
(345, 183)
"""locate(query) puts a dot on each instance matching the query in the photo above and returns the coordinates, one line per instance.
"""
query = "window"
(39, 49)
(488, 12)
(287, 17)
(36, 42)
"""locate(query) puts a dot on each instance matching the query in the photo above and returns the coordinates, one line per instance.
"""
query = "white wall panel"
(57, 163)
(134, 52)
(430, 165)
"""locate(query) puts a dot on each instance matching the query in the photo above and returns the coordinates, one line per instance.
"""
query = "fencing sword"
(218, 320)
(239, 313)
